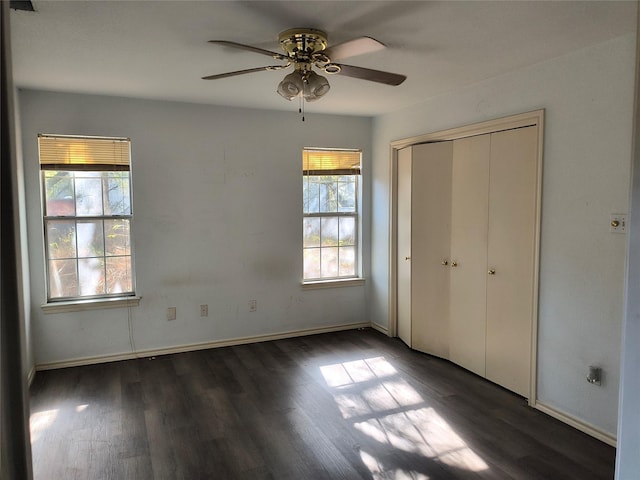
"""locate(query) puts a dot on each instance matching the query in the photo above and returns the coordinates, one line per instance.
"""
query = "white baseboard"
(380, 328)
(76, 362)
(577, 424)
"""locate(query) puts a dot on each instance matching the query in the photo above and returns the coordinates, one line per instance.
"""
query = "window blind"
(83, 153)
(330, 162)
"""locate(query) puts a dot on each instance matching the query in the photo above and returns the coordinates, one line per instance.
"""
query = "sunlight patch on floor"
(379, 472)
(424, 432)
(40, 421)
(357, 371)
(385, 407)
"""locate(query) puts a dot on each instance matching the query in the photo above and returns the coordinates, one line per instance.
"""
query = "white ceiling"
(159, 49)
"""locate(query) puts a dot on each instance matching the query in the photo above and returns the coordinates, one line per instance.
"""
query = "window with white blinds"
(87, 216)
(331, 240)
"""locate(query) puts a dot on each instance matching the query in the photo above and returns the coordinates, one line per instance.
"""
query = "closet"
(467, 218)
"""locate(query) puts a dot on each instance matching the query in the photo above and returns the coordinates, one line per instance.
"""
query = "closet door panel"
(430, 246)
(511, 247)
(469, 209)
(404, 246)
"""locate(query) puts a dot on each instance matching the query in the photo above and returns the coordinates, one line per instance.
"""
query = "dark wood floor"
(348, 405)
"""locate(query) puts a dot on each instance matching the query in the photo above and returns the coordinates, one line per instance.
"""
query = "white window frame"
(356, 277)
(103, 300)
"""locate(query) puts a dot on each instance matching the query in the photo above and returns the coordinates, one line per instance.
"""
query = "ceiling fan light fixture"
(316, 87)
(291, 86)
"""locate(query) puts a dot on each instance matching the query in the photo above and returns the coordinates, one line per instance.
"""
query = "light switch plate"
(618, 223)
(171, 313)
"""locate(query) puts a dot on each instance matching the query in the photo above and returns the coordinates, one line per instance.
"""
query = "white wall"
(217, 212)
(588, 97)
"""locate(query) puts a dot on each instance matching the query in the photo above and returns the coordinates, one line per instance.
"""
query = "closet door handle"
(407, 258)
(491, 272)
(454, 263)
(445, 262)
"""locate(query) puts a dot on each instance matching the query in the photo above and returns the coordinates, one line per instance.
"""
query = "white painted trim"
(99, 304)
(31, 375)
(196, 346)
(511, 122)
(348, 282)
(533, 379)
(392, 322)
(576, 423)
(380, 328)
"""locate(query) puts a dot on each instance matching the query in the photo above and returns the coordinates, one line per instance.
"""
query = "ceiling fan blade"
(379, 76)
(357, 46)
(242, 72)
(277, 56)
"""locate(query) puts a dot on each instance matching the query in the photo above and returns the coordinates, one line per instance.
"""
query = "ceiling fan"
(305, 48)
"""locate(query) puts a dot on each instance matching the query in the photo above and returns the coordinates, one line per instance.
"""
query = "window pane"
(88, 193)
(119, 275)
(63, 279)
(61, 239)
(311, 232)
(329, 262)
(59, 194)
(347, 261)
(90, 238)
(117, 199)
(328, 196)
(347, 231)
(91, 276)
(311, 263)
(347, 194)
(117, 237)
(311, 194)
(329, 229)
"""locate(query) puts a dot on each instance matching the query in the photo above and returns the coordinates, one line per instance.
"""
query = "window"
(330, 183)
(86, 190)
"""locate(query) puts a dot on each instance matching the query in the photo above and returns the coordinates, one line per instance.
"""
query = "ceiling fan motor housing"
(303, 43)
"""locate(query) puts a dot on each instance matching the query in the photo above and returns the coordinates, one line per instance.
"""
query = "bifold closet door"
(511, 258)
(403, 260)
(469, 210)
(430, 246)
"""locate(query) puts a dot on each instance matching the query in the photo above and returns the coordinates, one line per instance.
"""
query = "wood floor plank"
(349, 405)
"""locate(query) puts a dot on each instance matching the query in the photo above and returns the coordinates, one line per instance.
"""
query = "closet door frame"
(527, 119)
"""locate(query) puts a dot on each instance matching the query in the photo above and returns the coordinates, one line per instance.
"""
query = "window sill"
(97, 304)
(349, 282)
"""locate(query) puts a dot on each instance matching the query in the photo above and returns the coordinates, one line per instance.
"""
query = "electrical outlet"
(595, 375)
(171, 313)
(618, 223)
(204, 310)
(253, 305)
